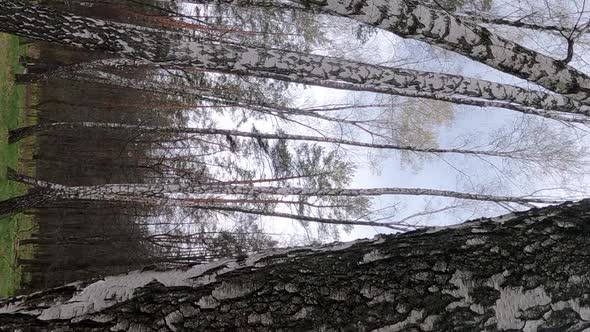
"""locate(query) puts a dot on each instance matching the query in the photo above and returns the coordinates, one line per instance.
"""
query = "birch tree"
(418, 21)
(157, 46)
(520, 272)
(189, 194)
(529, 102)
(518, 153)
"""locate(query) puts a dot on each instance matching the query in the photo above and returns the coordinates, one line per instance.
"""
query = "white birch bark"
(551, 110)
(410, 19)
(521, 272)
(36, 22)
(134, 192)
(96, 192)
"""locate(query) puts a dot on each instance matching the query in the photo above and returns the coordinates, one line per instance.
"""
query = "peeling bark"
(26, 19)
(526, 271)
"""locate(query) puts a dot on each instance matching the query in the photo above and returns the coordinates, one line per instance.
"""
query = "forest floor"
(13, 101)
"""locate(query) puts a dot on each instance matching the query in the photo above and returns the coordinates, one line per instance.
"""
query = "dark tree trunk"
(34, 199)
(523, 272)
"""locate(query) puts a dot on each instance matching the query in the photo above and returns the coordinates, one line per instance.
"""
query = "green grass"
(12, 104)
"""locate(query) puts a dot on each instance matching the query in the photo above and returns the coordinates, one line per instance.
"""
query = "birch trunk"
(161, 190)
(146, 193)
(32, 200)
(411, 19)
(226, 207)
(527, 105)
(522, 272)
(28, 20)
(20, 133)
(45, 193)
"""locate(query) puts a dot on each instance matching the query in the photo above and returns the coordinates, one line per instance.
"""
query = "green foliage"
(281, 159)
(320, 168)
(247, 237)
(271, 27)
(415, 124)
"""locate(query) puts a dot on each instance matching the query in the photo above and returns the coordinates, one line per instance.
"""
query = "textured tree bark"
(159, 194)
(26, 19)
(34, 199)
(425, 21)
(133, 192)
(527, 271)
(38, 196)
(528, 103)
(412, 19)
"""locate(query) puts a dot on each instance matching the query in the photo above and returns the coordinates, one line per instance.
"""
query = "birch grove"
(191, 138)
(139, 43)
(166, 49)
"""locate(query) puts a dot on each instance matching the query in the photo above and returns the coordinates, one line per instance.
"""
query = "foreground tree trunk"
(523, 272)
(36, 198)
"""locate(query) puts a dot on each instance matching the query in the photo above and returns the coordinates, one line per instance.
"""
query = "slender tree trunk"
(159, 193)
(26, 19)
(254, 211)
(523, 272)
(20, 133)
(547, 108)
(34, 199)
(535, 103)
(147, 191)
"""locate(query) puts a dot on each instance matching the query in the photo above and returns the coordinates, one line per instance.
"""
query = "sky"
(451, 173)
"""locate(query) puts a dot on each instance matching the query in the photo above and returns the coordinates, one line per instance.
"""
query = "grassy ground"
(12, 104)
